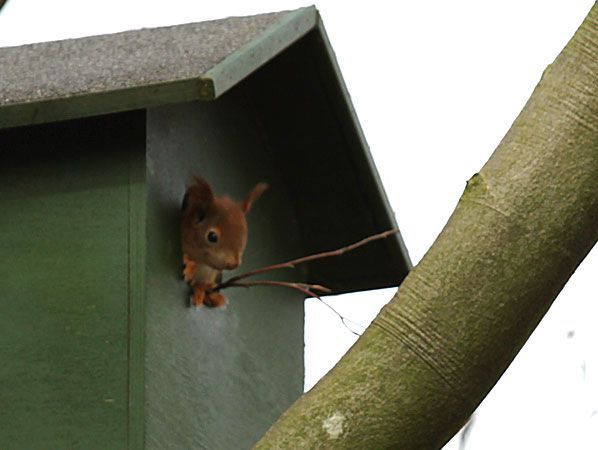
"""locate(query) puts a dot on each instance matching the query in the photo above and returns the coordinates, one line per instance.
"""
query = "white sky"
(436, 85)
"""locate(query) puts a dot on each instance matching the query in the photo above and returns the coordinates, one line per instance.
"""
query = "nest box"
(98, 138)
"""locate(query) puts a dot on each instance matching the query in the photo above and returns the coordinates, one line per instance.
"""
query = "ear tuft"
(253, 195)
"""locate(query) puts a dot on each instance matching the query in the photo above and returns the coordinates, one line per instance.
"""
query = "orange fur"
(213, 237)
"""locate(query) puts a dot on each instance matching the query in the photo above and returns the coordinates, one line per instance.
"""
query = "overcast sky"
(436, 84)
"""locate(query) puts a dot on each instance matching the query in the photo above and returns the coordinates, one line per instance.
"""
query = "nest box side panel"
(64, 237)
(333, 184)
(217, 378)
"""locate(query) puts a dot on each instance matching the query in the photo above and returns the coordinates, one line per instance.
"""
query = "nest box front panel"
(218, 378)
(64, 271)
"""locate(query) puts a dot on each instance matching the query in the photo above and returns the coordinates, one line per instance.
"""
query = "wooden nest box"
(98, 138)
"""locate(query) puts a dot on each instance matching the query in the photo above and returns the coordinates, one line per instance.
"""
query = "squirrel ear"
(198, 195)
(253, 195)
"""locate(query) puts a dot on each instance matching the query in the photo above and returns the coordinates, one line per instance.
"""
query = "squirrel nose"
(232, 262)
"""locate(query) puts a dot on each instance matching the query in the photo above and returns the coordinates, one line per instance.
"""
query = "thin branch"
(304, 288)
(344, 320)
(294, 262)
(289, 284)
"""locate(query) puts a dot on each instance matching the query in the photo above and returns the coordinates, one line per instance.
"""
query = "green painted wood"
(64, 289)
(137, 242)
(217, 378)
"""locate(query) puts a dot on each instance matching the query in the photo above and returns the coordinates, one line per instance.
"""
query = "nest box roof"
(332, 179)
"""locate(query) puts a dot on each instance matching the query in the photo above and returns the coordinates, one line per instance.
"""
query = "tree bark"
(523, 225)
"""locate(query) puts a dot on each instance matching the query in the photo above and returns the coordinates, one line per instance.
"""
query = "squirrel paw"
(203, 296)
(189, 268)
(198, 297)
(215, 300)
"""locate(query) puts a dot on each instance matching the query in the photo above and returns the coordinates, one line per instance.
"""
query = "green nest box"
(98, 138)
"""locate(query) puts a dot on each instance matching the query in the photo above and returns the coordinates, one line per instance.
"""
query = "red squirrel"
(213, 238)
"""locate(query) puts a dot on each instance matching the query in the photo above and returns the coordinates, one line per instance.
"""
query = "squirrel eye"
(212, 236)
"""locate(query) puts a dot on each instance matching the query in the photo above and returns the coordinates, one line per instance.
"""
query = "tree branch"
(522, 226)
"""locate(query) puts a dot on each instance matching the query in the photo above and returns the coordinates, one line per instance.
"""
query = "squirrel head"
(214, 228)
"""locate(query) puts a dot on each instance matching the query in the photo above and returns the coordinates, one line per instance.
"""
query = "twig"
(294, 262)
(289, 284)
(304, 288)
(344, 320)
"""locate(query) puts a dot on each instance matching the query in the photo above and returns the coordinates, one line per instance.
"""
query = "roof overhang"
(136, 69)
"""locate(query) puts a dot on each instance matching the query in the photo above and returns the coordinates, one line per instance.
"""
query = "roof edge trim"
(243, 61)
(352, 128)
